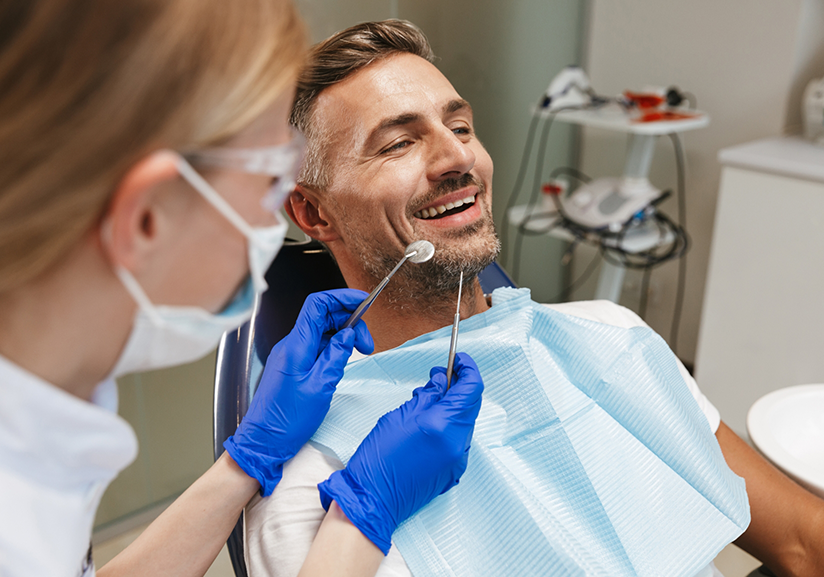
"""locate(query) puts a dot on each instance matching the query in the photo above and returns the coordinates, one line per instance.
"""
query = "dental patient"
(595, 452)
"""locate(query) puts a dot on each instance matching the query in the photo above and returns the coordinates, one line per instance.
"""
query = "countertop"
(791, 156)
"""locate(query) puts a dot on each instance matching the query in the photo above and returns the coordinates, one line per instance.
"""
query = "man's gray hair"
(334, 60)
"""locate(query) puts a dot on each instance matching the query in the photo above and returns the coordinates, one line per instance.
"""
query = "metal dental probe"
(453, 346)
(417, 252)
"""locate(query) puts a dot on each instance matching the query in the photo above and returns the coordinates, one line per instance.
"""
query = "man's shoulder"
(601, 311)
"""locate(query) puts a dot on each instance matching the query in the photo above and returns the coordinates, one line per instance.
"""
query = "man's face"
(406, 165)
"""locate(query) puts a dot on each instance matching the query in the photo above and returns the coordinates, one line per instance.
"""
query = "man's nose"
(451, 157)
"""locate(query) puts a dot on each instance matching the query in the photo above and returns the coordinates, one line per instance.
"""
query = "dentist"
(145, 154)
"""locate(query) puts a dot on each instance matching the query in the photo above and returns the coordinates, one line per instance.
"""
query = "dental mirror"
(417, 252)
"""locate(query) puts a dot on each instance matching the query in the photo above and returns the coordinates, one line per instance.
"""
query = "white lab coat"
(58, 454)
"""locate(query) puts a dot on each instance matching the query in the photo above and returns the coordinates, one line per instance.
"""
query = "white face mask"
(163, 336)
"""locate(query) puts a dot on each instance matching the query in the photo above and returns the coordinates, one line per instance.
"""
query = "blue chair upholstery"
(300, 268)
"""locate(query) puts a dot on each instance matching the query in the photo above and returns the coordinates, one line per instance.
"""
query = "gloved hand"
(413, 454)
(296, 388)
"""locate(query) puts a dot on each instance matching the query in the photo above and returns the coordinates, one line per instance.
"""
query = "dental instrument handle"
(452, 349)
(367, 302)
(453, 345)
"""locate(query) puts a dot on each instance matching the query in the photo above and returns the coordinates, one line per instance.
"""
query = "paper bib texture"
(590, 455)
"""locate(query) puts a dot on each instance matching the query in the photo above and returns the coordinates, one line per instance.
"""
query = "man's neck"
(391, 325)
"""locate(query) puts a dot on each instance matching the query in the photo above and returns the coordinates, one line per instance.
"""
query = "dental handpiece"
(453, 345)
(417, 252)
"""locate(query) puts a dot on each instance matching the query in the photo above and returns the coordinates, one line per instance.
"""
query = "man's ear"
(129, 228)
(304, 208)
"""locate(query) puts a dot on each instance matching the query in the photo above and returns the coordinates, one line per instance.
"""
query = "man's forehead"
(399, 85)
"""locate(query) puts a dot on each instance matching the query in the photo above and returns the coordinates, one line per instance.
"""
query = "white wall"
(739, 58)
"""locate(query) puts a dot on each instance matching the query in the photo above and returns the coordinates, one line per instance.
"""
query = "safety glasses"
(281, 162)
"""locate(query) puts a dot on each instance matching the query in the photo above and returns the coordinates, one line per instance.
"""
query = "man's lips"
(449, 203)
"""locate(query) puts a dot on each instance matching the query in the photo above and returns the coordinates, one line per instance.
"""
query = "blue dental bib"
(590, 456)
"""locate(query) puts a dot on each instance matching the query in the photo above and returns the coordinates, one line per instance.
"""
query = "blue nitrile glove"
(413, 454)
(296, 388)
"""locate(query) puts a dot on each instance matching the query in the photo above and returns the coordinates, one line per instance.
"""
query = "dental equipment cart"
(642, 137)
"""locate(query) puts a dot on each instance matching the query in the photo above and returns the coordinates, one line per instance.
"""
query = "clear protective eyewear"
(281, 162)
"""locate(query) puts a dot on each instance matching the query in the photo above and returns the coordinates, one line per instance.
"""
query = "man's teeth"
(436, 210)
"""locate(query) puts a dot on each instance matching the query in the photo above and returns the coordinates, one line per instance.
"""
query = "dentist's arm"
(187, 537)
(412, 455)
(787, 528)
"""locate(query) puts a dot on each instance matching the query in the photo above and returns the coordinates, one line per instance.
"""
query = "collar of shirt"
(49, 435)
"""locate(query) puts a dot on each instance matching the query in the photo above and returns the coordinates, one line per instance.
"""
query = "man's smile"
(461, 204)
(447, 206)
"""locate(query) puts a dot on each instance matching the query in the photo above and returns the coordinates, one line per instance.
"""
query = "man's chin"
(470, 253)
(478, 241)
(468, 249)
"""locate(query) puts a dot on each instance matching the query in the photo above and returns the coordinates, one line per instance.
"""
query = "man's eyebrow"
(411, 117)
(456, 105)
(389, 123)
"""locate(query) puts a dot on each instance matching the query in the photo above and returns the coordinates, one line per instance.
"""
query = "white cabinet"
(761, 326)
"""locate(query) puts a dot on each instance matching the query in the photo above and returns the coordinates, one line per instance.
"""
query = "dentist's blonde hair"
(88, 87)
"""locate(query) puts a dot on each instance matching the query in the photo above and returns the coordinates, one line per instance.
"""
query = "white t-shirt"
(280, 528)
(58, 453)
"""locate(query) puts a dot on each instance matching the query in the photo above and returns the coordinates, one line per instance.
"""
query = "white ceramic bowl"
(787, 426)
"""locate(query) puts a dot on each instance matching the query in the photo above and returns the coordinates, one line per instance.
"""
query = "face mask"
(163, 336)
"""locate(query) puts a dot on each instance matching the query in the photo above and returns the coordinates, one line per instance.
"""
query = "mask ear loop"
(128, 281)
(138, 294)
(212, 197)
(219, 203)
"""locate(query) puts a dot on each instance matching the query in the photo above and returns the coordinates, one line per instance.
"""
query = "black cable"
(536, 188)
(524, 229)
(642, 305)
(680, 162)
(533, 198)
(610, 242)
(569, 171)
(519, 179)
(610, 245)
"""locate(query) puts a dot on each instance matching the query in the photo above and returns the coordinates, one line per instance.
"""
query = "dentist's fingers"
(467, 390)
(413, 454)
(328, 370)
(426, 396)
(321, 313)
(458, 407)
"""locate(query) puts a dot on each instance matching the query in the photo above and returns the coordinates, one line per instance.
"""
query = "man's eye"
(396, 146)
(462, 130)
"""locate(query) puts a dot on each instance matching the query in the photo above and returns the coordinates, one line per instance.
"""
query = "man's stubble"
(431, 286)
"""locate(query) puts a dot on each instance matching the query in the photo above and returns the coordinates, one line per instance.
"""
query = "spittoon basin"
(787, 426)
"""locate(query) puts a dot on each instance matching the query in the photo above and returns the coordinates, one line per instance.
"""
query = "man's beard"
(429, 285)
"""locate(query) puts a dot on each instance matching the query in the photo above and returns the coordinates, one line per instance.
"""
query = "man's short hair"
(334, 60)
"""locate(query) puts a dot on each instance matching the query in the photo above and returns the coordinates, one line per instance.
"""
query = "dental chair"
(300, 268)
